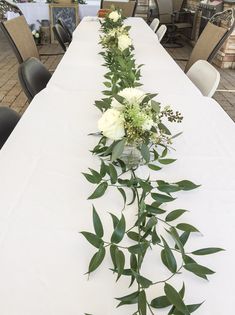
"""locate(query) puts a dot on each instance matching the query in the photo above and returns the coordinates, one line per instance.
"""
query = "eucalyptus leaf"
(145, 152)
(118, 149)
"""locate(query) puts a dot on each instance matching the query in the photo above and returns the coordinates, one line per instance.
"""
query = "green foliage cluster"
(154, 227)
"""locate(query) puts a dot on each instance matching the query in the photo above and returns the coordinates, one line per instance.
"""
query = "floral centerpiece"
(133, 132)
(135, 120)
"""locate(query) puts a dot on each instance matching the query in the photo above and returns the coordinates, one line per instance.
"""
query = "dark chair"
(8, 120)
(65, 27)
(62, 36)
(21, 39)
(171, 13)
(33, 77)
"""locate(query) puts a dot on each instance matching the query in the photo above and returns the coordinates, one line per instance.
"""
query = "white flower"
(147, 125)
(124, 42)
(131, 95)
(114, 16)
(37, 35)
(111, 124)
(34, 32)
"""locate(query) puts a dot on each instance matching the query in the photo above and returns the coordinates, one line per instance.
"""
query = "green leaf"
(155, 106)
(160, 302)
(168, 258)
(164, 129)
(99, 191)
(96, 260)
(102, 169)
(173, 232)
(133, 236)
(93, 239)
(128, 299)
(119, 231)
(193, 307)
(115, 220)
(154, 167)
(113, 249)
(118, 149)
(162, 198)
(144, 282)
(122, 192)
(198, 269)
(98, 227)
(186, 227)
(145, 152)
(120, 261)
(207, 251)
(155, 238)
(92, 179)
(187, 185)
(96, 174)
(133, 262)
(138, 248)
(153, 208)
(166, 161)
(113, 174)
(142, 304)
(175, 214)
(175, 299)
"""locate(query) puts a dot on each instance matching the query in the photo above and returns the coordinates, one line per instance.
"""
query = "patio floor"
(11, 94)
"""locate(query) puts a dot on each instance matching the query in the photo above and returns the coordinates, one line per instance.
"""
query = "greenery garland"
(133, 119)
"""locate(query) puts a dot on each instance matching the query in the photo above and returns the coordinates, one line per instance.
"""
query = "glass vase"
(131, 156)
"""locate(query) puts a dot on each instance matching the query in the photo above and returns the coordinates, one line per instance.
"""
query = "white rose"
(124, 42)
(111, 124)
(37, 35)
(131, 95)
(115, 16)
(34, 32)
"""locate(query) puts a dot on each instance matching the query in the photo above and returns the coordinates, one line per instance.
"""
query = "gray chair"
(33, 77)
(216, 32)
(65, 27)
(21, 39)
(171, 14)
(8, 120)
(62, 36)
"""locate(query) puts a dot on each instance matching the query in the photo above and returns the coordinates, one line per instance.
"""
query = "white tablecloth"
(43, 195)
(40, 11)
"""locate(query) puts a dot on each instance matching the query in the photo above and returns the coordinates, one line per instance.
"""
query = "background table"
(43, 202)
(40, 11)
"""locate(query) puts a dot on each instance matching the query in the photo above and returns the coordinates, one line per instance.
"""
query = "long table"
(43, 196)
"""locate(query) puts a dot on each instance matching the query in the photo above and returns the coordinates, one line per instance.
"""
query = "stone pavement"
(11, 94)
